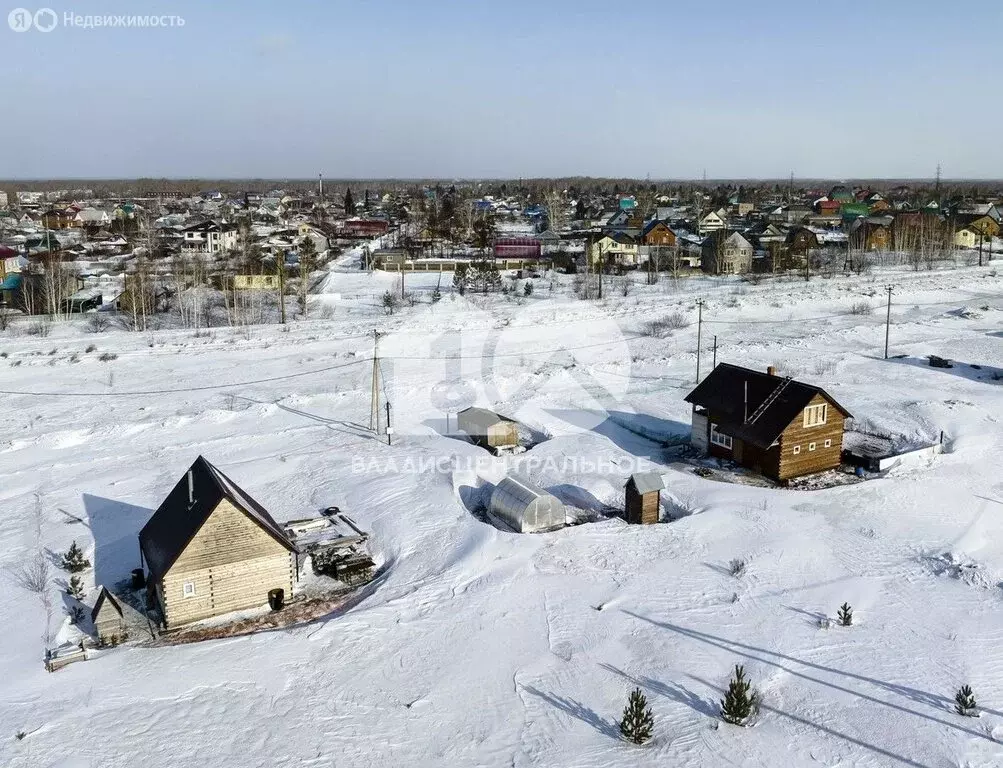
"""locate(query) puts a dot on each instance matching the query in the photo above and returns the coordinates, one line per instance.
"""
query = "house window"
(814, 415)
(718, 439)
(797, 449)
(189, 589)
(828, 443)
(811, 446)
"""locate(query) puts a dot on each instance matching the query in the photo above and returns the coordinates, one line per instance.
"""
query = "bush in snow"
(964, 702)
(75, 588)
(845, 615)
(736, 567)
(740, 702)
(665, 325)
(38, 328)
(637, 719)
(98, 323)
(74, 560)
(527, 289)
(390, 302)
(861, 308)
(106, 357)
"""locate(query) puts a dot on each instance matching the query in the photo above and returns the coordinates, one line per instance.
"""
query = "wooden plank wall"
(233, 564)
(809, 462)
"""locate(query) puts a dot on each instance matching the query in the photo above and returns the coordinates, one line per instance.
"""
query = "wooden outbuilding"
(109, 623)
(642, 498)
(771, 424)
(211, 549)
(487, 429)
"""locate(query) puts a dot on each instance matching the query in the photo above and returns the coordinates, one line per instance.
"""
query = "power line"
(185, 389)
(513, 354)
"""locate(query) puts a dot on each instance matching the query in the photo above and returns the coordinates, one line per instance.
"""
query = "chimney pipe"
(771, 371)
(191, 488)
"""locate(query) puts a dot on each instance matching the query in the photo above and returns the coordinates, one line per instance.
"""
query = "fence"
(56, 659)
(910, 457)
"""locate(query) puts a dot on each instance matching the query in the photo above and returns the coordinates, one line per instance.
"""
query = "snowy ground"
(478, 647)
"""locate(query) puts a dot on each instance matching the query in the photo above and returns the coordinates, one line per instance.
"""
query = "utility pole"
(374, 409)
(715, 353)
(601, 269)
(280, 266)
(699, 332)
(982, 237)
(888, 318)
(389, 428)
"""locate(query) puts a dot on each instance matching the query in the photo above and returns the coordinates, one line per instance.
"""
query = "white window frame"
(719, 439)
(828, 443)
(188, 589)
(812, 413)
(811, 447)
(797, 449)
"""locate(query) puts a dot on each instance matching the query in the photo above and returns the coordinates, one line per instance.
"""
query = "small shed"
(109, 623)
(487, 428)
(525, 507)
(643, 492)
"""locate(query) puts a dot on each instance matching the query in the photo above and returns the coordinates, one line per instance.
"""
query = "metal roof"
(723, 393)
(647, 482)
(99, 603)
(481, 418)
(176, 521)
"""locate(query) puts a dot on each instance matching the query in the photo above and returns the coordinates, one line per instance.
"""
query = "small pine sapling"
(74, 560)
(740, 702)
(845, 615)
(76, 614)
(637, 719)
(75, 588)
(964, 702)
(527, 289)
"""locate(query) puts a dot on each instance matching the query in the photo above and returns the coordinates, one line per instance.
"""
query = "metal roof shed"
(526, 508)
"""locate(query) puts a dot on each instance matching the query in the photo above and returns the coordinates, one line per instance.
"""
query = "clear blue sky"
(468, 88)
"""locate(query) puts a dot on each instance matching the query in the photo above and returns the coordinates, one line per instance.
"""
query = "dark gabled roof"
(723, 394)
(175, 523)
(99, 603)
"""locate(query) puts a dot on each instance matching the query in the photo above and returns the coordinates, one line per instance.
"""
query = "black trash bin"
(138, 578)
(276, 599)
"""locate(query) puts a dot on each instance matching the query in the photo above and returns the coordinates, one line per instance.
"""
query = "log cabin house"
(211, 549)
(773, 425)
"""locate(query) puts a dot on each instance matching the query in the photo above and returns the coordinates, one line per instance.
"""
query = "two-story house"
(209, 238)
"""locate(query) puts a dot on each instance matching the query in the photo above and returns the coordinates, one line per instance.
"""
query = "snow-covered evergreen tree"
(637, 719)
(739, 703)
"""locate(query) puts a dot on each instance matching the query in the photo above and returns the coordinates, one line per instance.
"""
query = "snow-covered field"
(477, 647)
